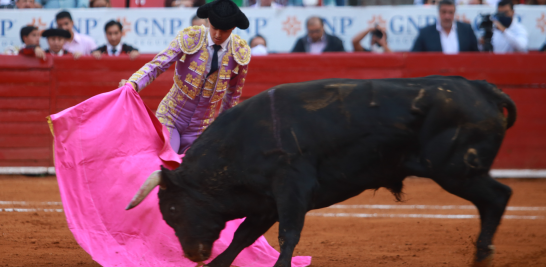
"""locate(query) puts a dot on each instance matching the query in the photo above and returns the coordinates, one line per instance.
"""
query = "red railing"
(31, 89)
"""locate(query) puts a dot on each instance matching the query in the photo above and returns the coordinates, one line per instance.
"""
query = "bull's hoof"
(486, 257)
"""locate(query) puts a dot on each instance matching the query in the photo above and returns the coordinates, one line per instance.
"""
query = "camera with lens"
(378, 33)
(487, 26)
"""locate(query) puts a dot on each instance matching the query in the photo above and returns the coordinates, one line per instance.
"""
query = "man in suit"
(114, 47)
(317, 41)
(446, 35)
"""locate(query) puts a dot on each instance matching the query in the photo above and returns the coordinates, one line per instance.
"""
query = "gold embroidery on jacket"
(190, 92)
(189, 78)
(225, 59)
(193, 65)
(191, 38)
(196, 82)
(177, 80)
(201, 69)
(240, 50)
(204, 55)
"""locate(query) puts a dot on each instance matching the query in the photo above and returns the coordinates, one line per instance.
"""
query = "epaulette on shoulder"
(240, 50)
(191, 39)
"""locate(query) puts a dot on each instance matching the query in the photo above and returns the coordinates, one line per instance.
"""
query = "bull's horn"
(153, 180)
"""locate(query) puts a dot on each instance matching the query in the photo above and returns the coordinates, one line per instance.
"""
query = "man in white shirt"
(508, 34)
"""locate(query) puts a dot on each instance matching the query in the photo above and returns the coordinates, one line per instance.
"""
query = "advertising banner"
(151, 29)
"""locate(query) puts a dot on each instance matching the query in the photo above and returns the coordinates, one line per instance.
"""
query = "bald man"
(317, 41)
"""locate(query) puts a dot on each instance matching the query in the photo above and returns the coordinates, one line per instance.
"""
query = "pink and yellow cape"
(105, 147)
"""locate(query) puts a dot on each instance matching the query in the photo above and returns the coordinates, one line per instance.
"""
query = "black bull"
(304, 146)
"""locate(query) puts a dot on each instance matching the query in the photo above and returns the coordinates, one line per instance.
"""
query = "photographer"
(378, 43)
(447, 35)
(508, 34)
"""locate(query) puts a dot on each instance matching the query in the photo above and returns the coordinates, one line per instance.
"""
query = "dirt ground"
(395, 236)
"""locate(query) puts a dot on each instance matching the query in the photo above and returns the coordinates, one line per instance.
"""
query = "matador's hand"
(122, 83)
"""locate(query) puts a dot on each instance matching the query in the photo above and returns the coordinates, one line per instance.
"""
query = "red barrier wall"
(31, 89)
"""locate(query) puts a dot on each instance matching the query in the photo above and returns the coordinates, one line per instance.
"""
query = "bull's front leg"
(293, 196)
(247, 233)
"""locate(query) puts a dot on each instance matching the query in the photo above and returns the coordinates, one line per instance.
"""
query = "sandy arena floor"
(431, 228)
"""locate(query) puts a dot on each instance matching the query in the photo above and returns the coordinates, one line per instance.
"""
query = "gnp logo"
(38, 23)
(335, 25)
(377, 21)
(157, 27)
(5, 26)
(399, 24)
(404, 29)
(541, 23)
(291, 25)
(125, 24)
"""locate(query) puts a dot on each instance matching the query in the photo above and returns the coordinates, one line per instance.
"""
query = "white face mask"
(258, 50)
(377, 48)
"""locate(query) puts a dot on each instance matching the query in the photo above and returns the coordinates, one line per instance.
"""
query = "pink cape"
(105, 148)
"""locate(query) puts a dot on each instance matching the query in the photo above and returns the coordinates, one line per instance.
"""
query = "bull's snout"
(202, 253)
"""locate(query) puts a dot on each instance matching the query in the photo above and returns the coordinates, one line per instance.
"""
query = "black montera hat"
(56, 32)
(223, 15)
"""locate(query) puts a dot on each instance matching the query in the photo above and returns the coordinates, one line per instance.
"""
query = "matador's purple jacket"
(190, 105)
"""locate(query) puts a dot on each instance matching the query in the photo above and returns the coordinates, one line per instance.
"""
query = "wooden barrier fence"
(31, 89)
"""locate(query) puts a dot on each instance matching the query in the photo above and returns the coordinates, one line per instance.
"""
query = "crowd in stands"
(447, 35)
(63, 40)
(248, 3)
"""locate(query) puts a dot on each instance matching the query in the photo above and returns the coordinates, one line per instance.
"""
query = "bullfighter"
(211, 65)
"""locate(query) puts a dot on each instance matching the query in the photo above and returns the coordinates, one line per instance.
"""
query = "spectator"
(258, 46)
(18, 4)
(197, 21)
(378, 43)
(536, 2)
(56, 38)
(24, 4)
(30, 36)
(185, 3)
(114, 47)
(7, 4)
(78, 43)
(179, 3)
(469, 2)
(63, 3)
(100, 3)
(448, 36)
(508, 34)
(317, 41)
(266, 3)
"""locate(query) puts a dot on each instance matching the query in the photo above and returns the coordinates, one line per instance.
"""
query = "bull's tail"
(503, 101)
